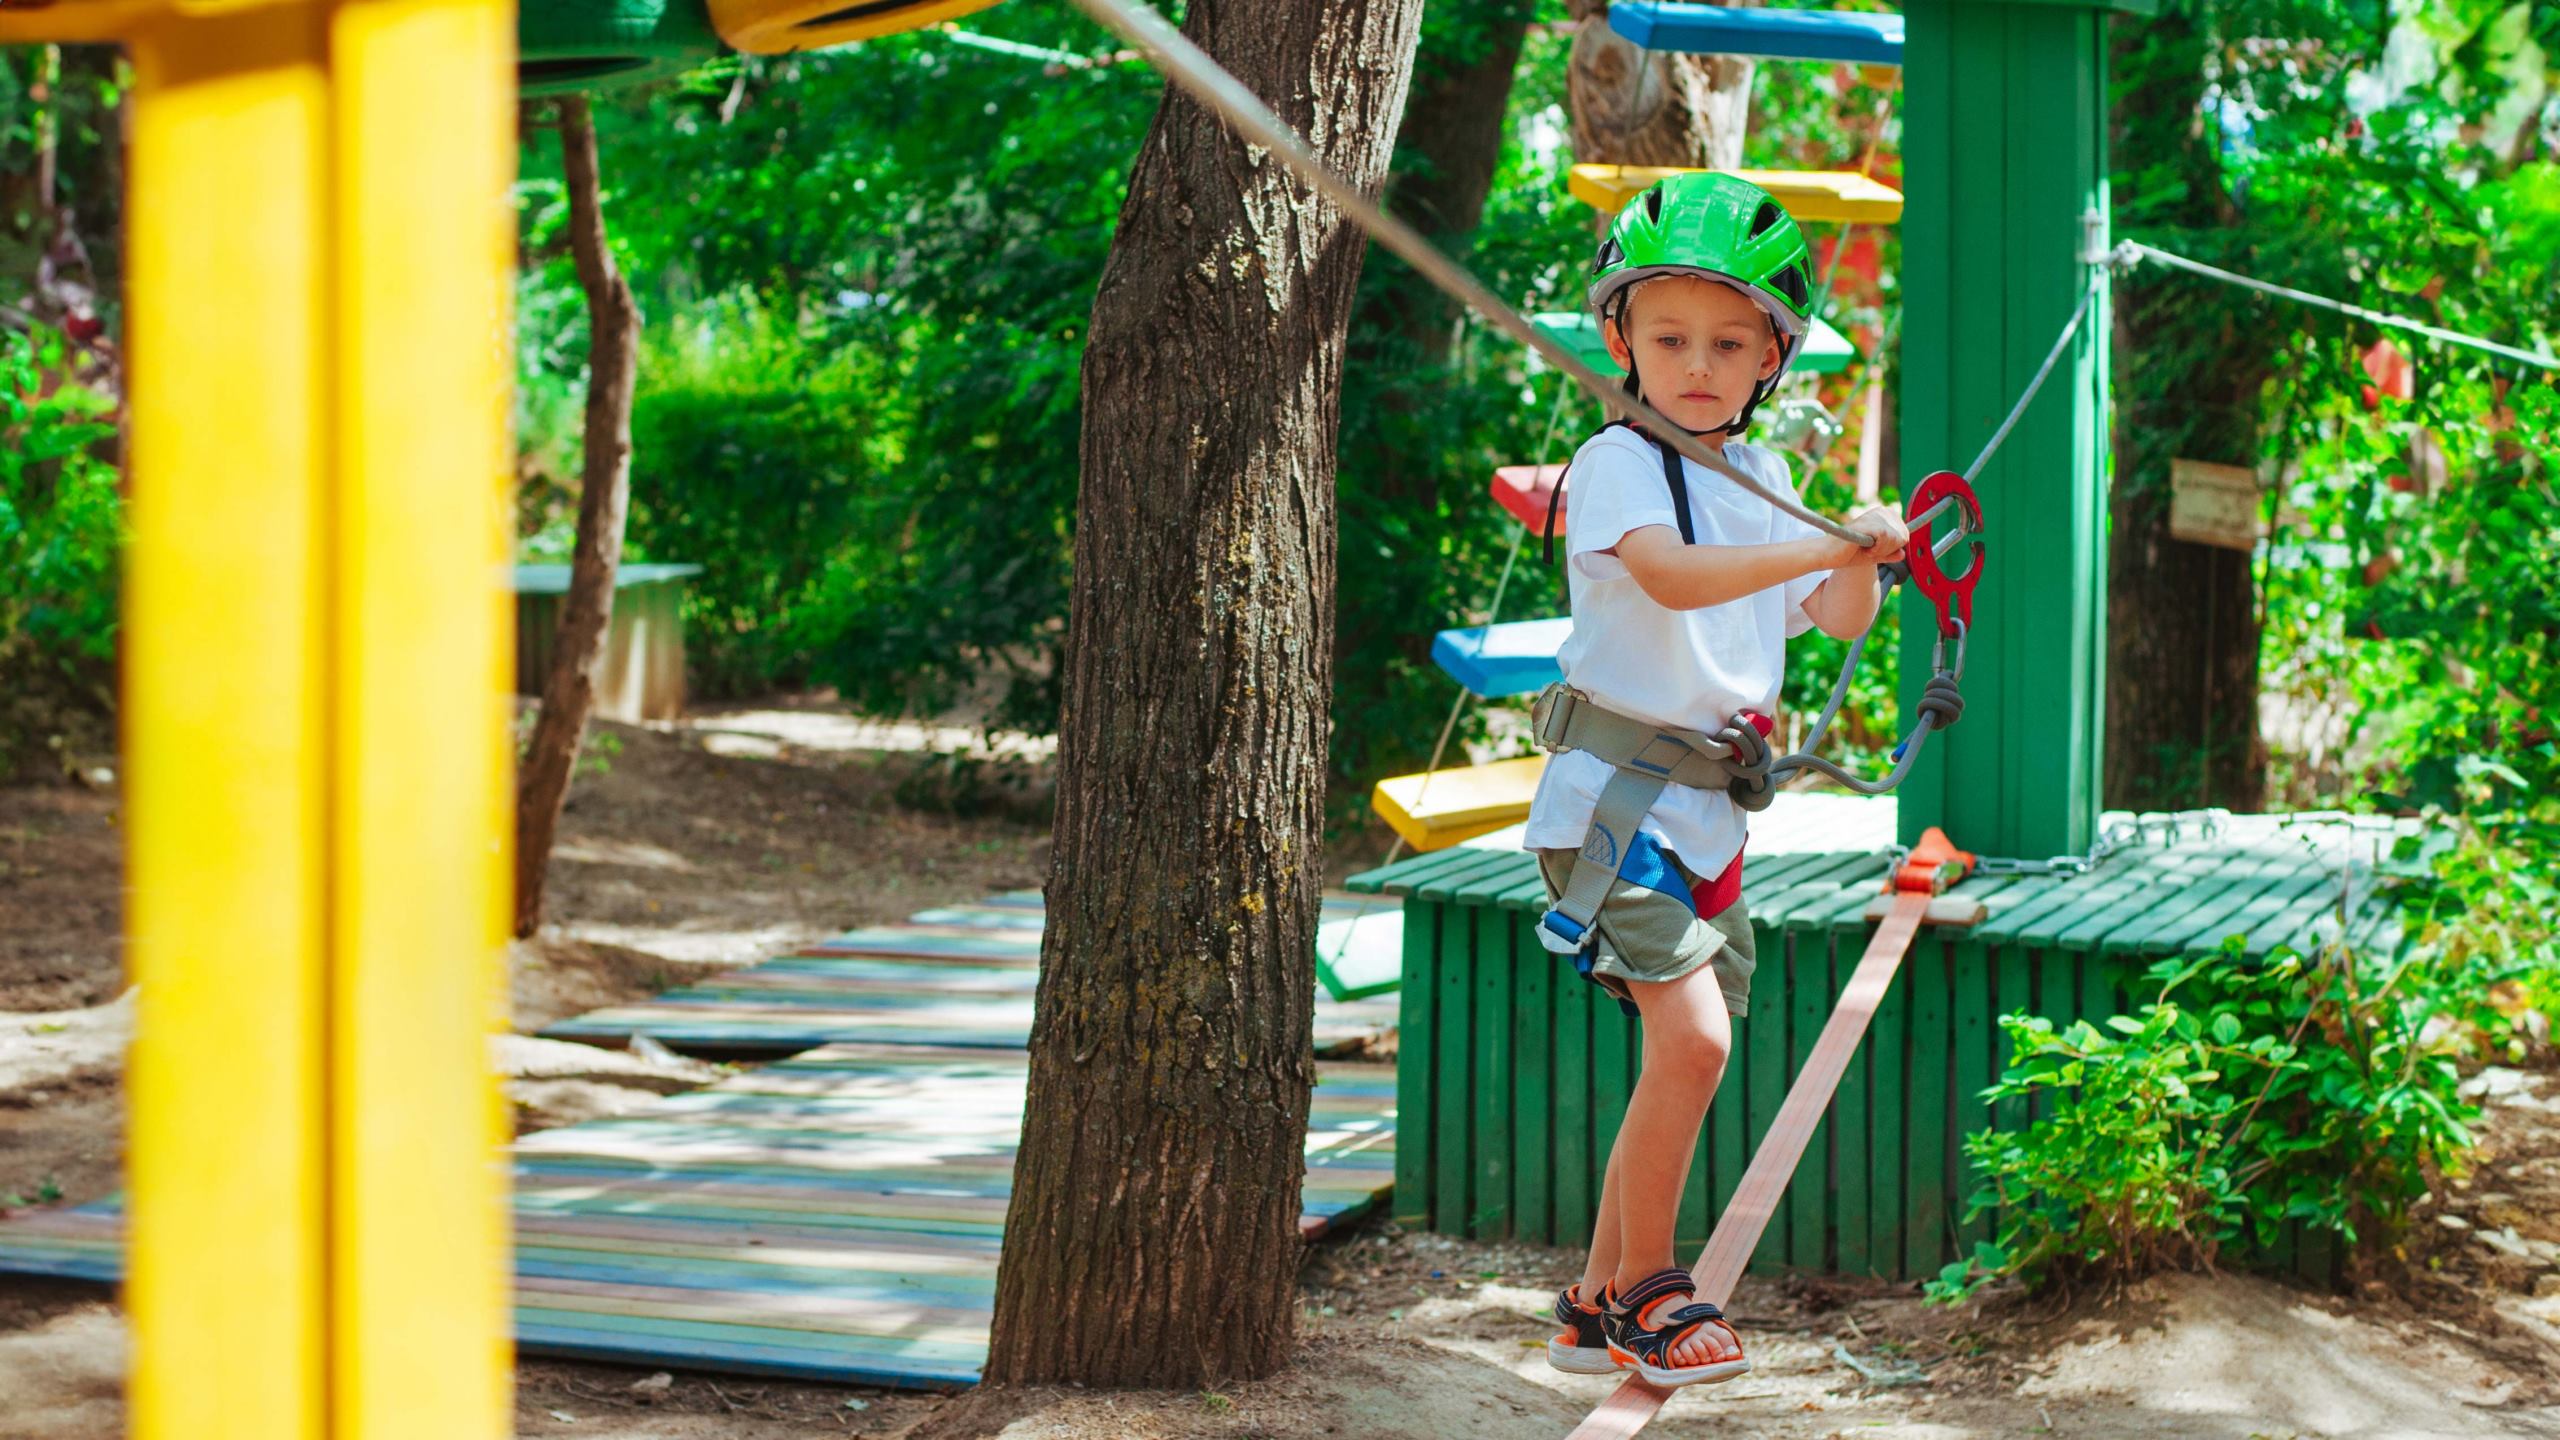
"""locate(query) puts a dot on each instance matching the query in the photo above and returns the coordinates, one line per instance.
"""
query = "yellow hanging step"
(1810, 195)
(1439, 808)
(779, 27)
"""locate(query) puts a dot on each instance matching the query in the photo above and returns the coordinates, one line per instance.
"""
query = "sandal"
(1583, 1348)
(1646, 1349)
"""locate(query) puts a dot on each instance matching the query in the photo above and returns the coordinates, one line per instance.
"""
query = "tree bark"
(1639, 107)
(2182, 620)
(604, 501)
(1153, 1236)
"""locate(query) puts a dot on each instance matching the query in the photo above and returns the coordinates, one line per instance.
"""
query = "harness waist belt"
(1645, 759)
(1566, 719)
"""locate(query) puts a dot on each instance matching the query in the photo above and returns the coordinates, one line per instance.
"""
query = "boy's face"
(1698, 348)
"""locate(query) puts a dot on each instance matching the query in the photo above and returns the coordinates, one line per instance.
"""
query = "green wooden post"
(1416, 1033)
(2004, 124)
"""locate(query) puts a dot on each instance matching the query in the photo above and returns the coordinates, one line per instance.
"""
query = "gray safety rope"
(2130, 252)
(1186, 65)
(2061, 343)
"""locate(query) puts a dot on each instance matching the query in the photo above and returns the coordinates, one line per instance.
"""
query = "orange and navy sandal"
(1583, 1348)
(1646, 1349)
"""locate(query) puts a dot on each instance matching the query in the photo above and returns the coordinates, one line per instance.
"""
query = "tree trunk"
(2182, 621)
(604, 499)
(1640, 107)
(1153, 1236)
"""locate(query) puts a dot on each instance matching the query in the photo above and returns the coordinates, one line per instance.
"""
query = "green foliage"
(2399, 159)
(2241, 1099)
(764, 456)
(2493, 909)
(61, 528)
(880, 482)
(69, 93)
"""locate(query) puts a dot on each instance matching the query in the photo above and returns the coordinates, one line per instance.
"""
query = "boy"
(1679, 620)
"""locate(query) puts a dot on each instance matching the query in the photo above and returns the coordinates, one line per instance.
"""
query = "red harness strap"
(1934, 864)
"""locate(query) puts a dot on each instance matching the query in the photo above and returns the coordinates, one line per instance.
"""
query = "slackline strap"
(1737, 1233)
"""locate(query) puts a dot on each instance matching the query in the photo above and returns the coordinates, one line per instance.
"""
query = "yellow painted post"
(226, 731)
(423, 123)
(315, 712)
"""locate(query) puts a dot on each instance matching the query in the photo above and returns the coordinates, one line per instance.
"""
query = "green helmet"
(1718, 227)
(1713, 225)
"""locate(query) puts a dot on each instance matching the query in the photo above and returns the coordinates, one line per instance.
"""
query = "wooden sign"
(2215, 504)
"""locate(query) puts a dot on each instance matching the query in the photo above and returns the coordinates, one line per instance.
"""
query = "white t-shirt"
(1690, 668)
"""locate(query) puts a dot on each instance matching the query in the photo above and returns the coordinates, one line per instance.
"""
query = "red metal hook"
(1953, 597)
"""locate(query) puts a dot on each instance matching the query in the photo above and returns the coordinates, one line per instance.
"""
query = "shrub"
(2243, 1098)
(61, 528)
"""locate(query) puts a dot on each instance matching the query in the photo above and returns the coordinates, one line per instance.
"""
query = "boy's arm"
(1844, 605)
(1692, 577)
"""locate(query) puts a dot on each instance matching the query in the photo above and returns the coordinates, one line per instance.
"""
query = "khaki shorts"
(1650, 936)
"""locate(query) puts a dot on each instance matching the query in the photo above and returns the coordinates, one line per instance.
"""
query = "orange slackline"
(1933, 864)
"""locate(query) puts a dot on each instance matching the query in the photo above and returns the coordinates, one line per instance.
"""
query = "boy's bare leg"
(1605, 1234)
(1687, 1037)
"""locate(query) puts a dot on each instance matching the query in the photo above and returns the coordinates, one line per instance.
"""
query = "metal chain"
(2121, 834)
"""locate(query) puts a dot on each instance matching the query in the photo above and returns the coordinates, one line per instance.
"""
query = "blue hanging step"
(1516, 658)
(1775, 34)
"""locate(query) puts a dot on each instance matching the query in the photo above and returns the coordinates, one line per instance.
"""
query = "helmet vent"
(1653, 203)
(1790, 283)
(1769, 215)
(1611, 254)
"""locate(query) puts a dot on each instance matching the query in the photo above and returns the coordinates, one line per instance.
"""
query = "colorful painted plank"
(1852, 37)
(1513, 658)
(1436, 809)
(836, 1216)
(1811, 196)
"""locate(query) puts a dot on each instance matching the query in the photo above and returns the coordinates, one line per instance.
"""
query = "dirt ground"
(754, 829)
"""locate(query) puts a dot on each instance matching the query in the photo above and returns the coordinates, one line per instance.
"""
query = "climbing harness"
(1644, 759)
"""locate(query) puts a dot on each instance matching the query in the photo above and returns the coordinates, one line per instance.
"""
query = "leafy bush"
(773, 463)
(61, 527)
(2242, 1099)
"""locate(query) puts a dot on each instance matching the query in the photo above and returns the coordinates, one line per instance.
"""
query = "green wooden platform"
(835, 1216)
(1513, 1074)
(960, 975)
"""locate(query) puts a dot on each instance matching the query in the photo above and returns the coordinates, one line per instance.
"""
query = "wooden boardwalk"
(831, 1216)
(961, 975)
